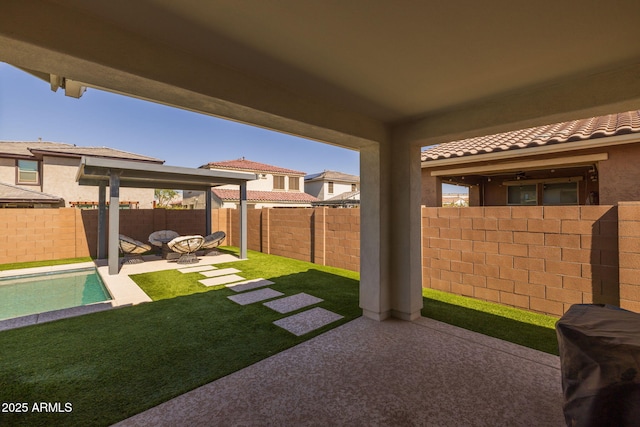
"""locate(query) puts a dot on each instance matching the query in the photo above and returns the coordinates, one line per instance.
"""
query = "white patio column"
(102, 220)
(390, 235)
(114, 221)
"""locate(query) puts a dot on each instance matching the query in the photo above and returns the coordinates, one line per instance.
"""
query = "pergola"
(378, 76)
(113, 173)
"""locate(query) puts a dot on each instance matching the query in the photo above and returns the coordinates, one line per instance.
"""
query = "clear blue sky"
(30, 110)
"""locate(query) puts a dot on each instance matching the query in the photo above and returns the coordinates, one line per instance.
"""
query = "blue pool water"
(24, 295)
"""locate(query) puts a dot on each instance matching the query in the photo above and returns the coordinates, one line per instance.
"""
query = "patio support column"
(207, 208)
(243, 220)
(114, 221)
(390, 242)
(102, 220)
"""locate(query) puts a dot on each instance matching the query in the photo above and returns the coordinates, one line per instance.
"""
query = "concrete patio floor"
(392, 373)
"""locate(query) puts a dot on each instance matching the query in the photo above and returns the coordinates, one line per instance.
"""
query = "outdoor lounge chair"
(186, 246)
(212, 241)
(132, 249)
(161, 238)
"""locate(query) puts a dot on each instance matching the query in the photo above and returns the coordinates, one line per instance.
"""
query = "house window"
(28, 172)
(353, 187)
(330, 190)
(294, 183)
(525, 195)
(278, 182)
(561, 193)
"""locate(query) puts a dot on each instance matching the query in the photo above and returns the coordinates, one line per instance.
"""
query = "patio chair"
(160, 239)
(132, 249)
(186, 246)
(212, 241)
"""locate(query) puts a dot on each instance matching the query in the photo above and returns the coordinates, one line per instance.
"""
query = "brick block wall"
(629, 243)
(342, 238)
(542, 259)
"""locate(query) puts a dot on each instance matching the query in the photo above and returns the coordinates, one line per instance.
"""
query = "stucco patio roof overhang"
(373, 75)
(103, 172)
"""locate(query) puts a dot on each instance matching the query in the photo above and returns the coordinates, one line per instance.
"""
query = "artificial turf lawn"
(114, 364)
(531, 330)
(30, 264)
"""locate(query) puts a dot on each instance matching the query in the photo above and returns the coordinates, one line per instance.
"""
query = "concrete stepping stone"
(293, 303)
(307, 321)
(255, 296)
(222, 280)
(197, 268)
(249, 284)
(221, 272)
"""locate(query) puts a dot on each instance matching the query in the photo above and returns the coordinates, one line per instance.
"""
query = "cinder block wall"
(629, 235)
(342, 238)
(41, 234)
(537, 258)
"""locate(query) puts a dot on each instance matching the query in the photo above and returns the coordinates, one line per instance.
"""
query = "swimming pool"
(39, 293)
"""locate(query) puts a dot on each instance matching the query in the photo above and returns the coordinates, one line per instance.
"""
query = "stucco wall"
(8, 171)
(619, 176)
(59, 179)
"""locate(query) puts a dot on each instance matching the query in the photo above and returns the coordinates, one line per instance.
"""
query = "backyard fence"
(537, 258)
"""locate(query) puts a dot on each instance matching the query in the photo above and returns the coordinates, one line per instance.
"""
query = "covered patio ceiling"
(380, 76)
(102, 172)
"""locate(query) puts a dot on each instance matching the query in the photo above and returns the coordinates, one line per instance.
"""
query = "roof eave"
(533, 151)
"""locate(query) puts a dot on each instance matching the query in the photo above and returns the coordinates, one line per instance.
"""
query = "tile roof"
(11, 193)
(349, 195)
(28, 148)
(558, 133)
(250, 166)
(265, 196)
(332, 176)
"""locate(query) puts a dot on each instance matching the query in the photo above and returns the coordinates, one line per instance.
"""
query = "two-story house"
(275, 187)
(333, 188)
(43, 174)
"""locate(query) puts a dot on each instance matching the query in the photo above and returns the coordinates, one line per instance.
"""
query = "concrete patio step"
(249, 284)
(197, 269)
(221, 280)
(221, 272)
(255, 296)
(293, 303)
(307, 321)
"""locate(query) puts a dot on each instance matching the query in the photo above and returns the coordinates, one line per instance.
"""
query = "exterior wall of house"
(59, 179)
(8, 172)
(617, 179)
(619, 176)
(320, 189)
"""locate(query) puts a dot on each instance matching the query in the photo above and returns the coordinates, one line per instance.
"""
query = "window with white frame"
(28, 172)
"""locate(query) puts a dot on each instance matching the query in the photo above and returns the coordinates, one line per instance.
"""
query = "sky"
(30, 110)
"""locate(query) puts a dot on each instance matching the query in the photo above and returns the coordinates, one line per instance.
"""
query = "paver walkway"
(256, 290)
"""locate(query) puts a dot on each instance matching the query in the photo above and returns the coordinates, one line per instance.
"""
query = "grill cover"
(600, 363)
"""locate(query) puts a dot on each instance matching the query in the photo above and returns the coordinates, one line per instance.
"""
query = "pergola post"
(114, 221)
(102, 220)
(207, 208)
(243, 220)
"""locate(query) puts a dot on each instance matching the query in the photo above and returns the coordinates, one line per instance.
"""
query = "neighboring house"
(349, 199)
(457, 200)
(43, 174)
(332, 185)
(275, 187)
(589, 161)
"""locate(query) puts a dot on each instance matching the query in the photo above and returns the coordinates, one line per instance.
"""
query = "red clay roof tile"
(558, 133)
(248, 165)
(265, 196)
